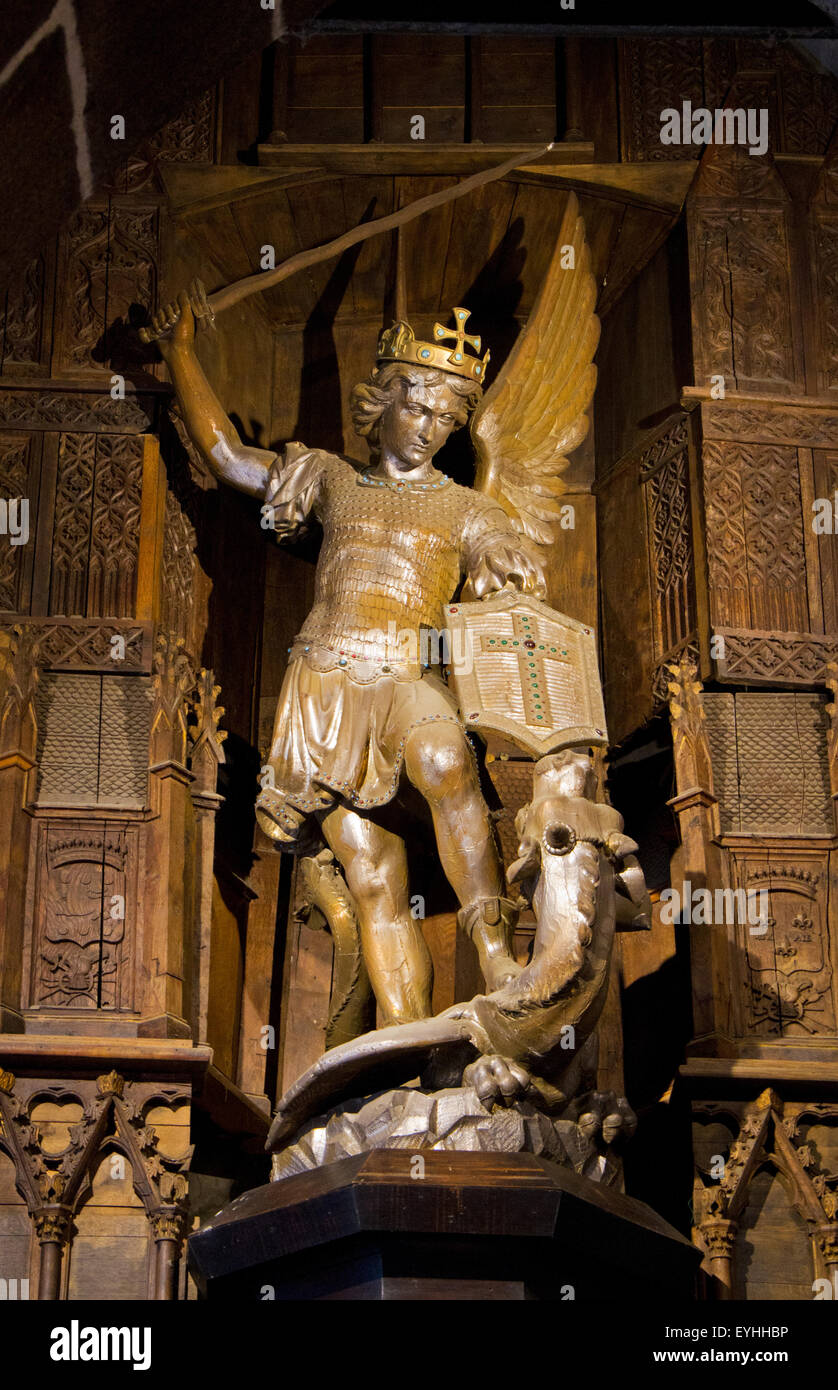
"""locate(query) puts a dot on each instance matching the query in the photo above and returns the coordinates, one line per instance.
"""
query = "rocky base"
(455, 1120)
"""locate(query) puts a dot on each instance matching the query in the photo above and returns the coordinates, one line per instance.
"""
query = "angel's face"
(417, 423)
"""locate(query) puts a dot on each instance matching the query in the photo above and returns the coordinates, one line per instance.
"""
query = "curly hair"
(369, 399)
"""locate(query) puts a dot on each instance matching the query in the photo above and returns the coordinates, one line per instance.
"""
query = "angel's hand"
(506, 567)
(173, 326)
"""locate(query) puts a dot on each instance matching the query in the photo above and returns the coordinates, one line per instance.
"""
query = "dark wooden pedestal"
(475, 1226)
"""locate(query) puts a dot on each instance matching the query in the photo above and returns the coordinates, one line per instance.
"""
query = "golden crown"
(447, 353)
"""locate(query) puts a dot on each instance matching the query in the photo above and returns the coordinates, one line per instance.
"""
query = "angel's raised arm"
(209, 427)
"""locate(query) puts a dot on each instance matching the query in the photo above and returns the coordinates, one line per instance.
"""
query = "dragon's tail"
(384, 1058)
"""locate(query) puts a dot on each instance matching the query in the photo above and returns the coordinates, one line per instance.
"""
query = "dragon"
(535, 1037)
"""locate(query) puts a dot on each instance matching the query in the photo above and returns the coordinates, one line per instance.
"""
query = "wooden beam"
(195, 189)
(421, 158)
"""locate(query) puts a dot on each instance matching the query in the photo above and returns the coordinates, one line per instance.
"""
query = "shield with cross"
(525, 676)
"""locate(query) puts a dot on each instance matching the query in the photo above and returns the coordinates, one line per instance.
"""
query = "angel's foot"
(490, 923)
(497, 1080)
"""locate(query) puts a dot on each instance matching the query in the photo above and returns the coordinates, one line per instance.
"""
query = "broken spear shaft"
(264, 280)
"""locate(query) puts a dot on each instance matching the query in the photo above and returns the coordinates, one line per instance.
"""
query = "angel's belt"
(363, 671)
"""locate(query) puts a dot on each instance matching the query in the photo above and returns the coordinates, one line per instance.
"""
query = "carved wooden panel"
(826, 187)
(774, 424)
(69, 709)
(123, 751)
(189, 138)
(742, 298)
(132, 284)
(826, 484)
(108, 261)
(17, 481)
(25, 324)
(810, 103)
(754, 517)
(96, 530)
(666, 487)
(83, 289)
(94, 645)
(93, 737)
(785, 974)
(58, 1134)
(655, 74)
(77, 410)
(719, 56)
(688, 650)
(720, 723)
(770, 762)
(85, 908)
(178, 598)
(825, 241)
(783, 772)
(114, 541)
(72, 525)
(658, 73)
(773, 658)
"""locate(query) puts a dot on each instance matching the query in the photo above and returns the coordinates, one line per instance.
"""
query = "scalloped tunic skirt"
(335, 738)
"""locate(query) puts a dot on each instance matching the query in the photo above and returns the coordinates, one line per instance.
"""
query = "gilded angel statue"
(358, 711)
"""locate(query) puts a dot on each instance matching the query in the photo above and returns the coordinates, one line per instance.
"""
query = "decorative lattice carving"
(93, 740)
(77, 410)
(94, 645)
(96, 532)
(114, 541)
(665, 476)
(770, 754)
(772, 658)
(756, 559)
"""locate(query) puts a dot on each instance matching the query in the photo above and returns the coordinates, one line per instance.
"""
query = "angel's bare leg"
(438, 762)
(396, 956)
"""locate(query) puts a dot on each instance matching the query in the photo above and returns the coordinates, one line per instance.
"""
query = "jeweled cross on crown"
(458, 334)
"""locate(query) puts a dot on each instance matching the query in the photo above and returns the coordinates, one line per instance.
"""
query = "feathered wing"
(535, 413)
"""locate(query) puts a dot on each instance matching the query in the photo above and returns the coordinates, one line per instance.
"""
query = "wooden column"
(719, 1237)
(18, 742)
(52, 1225)
(826, 1242)
(207, 756)
(169, 883)
(700, 862)
(167, 1225)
